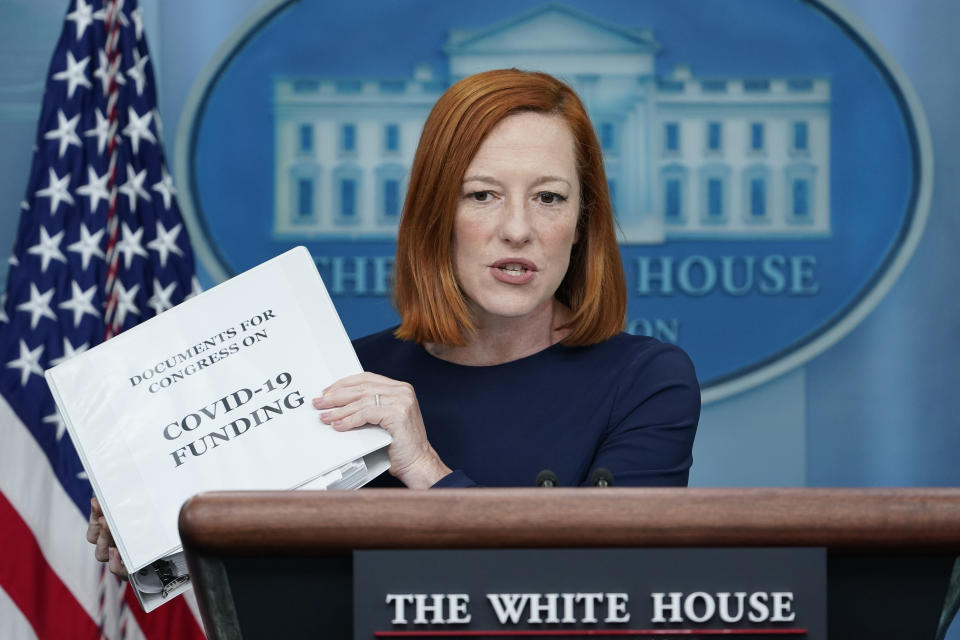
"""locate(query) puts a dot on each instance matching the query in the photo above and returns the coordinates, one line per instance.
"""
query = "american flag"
(101, 246)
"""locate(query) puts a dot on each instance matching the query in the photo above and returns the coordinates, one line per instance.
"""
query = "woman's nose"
(515, 226)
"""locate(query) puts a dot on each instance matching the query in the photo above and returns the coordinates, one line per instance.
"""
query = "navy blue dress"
(630, 404)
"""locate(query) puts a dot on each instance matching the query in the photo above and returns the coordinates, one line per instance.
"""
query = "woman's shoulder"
(637, 351)
(378, 340)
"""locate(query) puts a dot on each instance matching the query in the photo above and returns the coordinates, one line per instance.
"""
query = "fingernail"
(317, 402)
(113, 553)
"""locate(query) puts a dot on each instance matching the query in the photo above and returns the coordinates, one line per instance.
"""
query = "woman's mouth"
(513, 270)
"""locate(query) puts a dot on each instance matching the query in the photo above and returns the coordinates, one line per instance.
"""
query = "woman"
(510, 357)
(512, 297)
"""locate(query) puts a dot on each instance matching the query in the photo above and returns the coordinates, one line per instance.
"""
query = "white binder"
(213, 394)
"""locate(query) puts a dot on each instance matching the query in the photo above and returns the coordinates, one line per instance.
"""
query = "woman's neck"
(498, 339)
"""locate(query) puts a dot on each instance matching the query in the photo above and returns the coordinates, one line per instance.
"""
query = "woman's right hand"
(99, 534)
(368, 398)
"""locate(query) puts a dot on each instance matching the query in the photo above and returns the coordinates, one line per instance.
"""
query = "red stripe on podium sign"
(574, 633)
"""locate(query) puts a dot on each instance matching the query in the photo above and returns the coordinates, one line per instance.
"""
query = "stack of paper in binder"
(213, 394)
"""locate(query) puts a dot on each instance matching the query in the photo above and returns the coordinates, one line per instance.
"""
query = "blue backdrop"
(878, 408)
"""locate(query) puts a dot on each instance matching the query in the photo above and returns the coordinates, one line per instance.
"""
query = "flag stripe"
(177, 621)
(112, 25)
(13, 626)
(31, 486)
(34, 586)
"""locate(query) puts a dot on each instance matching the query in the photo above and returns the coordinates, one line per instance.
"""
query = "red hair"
(426, 292)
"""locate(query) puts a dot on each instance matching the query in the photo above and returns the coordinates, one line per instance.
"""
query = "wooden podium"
(279, 564)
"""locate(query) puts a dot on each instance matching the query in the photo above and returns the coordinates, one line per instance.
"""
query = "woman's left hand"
(98, 533)
(351, 402)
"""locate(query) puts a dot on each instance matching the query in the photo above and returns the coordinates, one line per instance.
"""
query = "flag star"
(166, 242)
(38, 305)
(130, 245)
(133, 187)
(137, 17)
(48, 249)
(66, 132)
(13, 261)
(28, 362)
(25, 205)
(54, 418)
(137, 72)
(68, 352)
(82, 476)
(160, 301)
(101, 14)
(103, 130)
(80, 302)
(165, 188)
(95, 189)
(82, 16)
(87, 246)
(75, 74)
(56, 190)
(3, 308)
(138, 127)
(125, 301)
(105, 70)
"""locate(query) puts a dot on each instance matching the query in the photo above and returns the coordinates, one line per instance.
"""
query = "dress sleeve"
(653, 421)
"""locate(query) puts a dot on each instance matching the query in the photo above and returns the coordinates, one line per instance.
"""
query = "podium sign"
(281, 564)
(590, 592)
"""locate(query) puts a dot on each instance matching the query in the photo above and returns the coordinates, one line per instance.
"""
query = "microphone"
(547, 478)
(601, 477)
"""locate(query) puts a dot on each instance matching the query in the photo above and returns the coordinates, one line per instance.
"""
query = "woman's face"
(516, 218)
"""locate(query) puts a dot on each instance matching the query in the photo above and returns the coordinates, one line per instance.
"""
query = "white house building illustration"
(686, 157)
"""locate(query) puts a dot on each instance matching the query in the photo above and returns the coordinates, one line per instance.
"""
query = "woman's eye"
(549, 197)
(479, 196)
